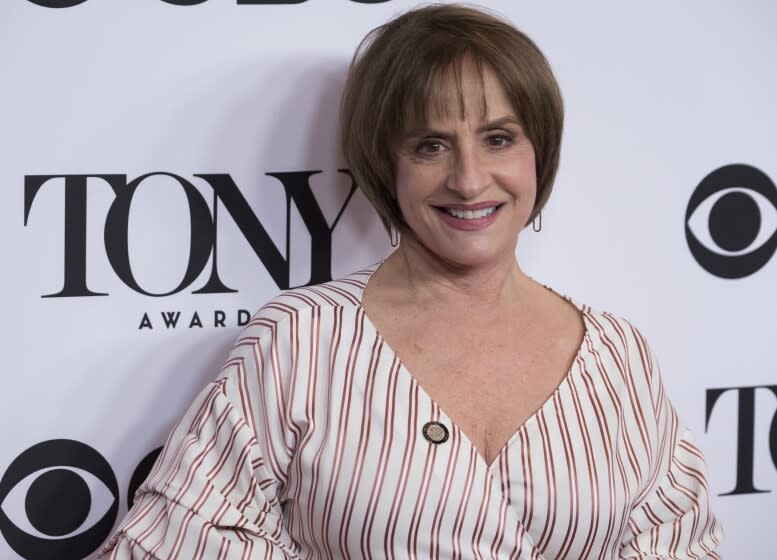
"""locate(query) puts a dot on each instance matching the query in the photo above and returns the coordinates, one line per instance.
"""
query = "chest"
(488, 377)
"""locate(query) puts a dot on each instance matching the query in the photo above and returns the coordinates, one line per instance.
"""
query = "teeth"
(471, 214)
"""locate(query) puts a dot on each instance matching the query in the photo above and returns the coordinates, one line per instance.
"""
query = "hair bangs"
(444, 89)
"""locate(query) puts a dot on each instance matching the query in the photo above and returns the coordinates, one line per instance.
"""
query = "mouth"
(470, 217)
(470, 214)
(474, 212)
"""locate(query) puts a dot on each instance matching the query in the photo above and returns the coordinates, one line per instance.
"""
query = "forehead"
(466, 90)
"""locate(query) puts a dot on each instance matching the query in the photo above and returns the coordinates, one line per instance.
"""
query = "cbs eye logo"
(59, 499)
(731, 221)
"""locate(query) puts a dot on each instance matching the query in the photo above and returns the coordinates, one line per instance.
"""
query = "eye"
(79, 500)
(734, 221)
(499, 140)
(58, 499)
(429, 146)
(731, 221)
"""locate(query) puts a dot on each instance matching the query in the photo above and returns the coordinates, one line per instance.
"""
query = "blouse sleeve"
(672, 518)
(215, 491)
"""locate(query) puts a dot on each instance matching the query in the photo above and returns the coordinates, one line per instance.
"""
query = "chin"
(481, 255)
(463, 249)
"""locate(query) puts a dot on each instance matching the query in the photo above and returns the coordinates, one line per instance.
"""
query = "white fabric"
(309, 445)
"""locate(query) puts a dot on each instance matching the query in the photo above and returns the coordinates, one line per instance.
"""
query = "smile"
(470, 214)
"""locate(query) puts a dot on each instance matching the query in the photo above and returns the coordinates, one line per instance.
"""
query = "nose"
(468, 175)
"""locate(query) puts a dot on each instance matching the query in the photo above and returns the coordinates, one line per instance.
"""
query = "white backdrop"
(658, 95)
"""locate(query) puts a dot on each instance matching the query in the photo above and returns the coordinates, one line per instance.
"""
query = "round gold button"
(434, 432)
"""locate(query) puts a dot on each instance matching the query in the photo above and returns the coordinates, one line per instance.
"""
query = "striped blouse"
(311, 444)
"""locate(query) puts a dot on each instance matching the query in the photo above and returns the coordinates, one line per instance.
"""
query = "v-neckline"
(586, 342)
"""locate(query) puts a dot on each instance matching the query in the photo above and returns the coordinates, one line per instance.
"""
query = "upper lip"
(471, 207)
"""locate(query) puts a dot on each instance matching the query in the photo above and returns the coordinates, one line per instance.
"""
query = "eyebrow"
(496, 123)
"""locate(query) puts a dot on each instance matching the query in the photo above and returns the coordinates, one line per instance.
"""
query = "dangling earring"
(394, 236)
(536, 224)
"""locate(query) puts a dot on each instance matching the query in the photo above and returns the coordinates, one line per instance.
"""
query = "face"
(466, 182)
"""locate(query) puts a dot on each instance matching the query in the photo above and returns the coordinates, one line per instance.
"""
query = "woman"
(441, 404)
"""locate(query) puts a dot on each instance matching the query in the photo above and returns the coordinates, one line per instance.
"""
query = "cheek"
(529, 171)
(414, 184)
(406, 192)
(521, 179)
(401, 190)
(410, 206)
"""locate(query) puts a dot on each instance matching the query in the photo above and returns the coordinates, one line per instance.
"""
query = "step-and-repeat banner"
(169, 165)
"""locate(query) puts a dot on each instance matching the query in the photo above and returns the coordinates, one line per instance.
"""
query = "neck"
(416, 271)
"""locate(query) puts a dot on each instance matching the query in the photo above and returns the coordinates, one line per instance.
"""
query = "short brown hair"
(400, 65)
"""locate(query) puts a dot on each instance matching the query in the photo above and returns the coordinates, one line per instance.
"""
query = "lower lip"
(475, 224)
